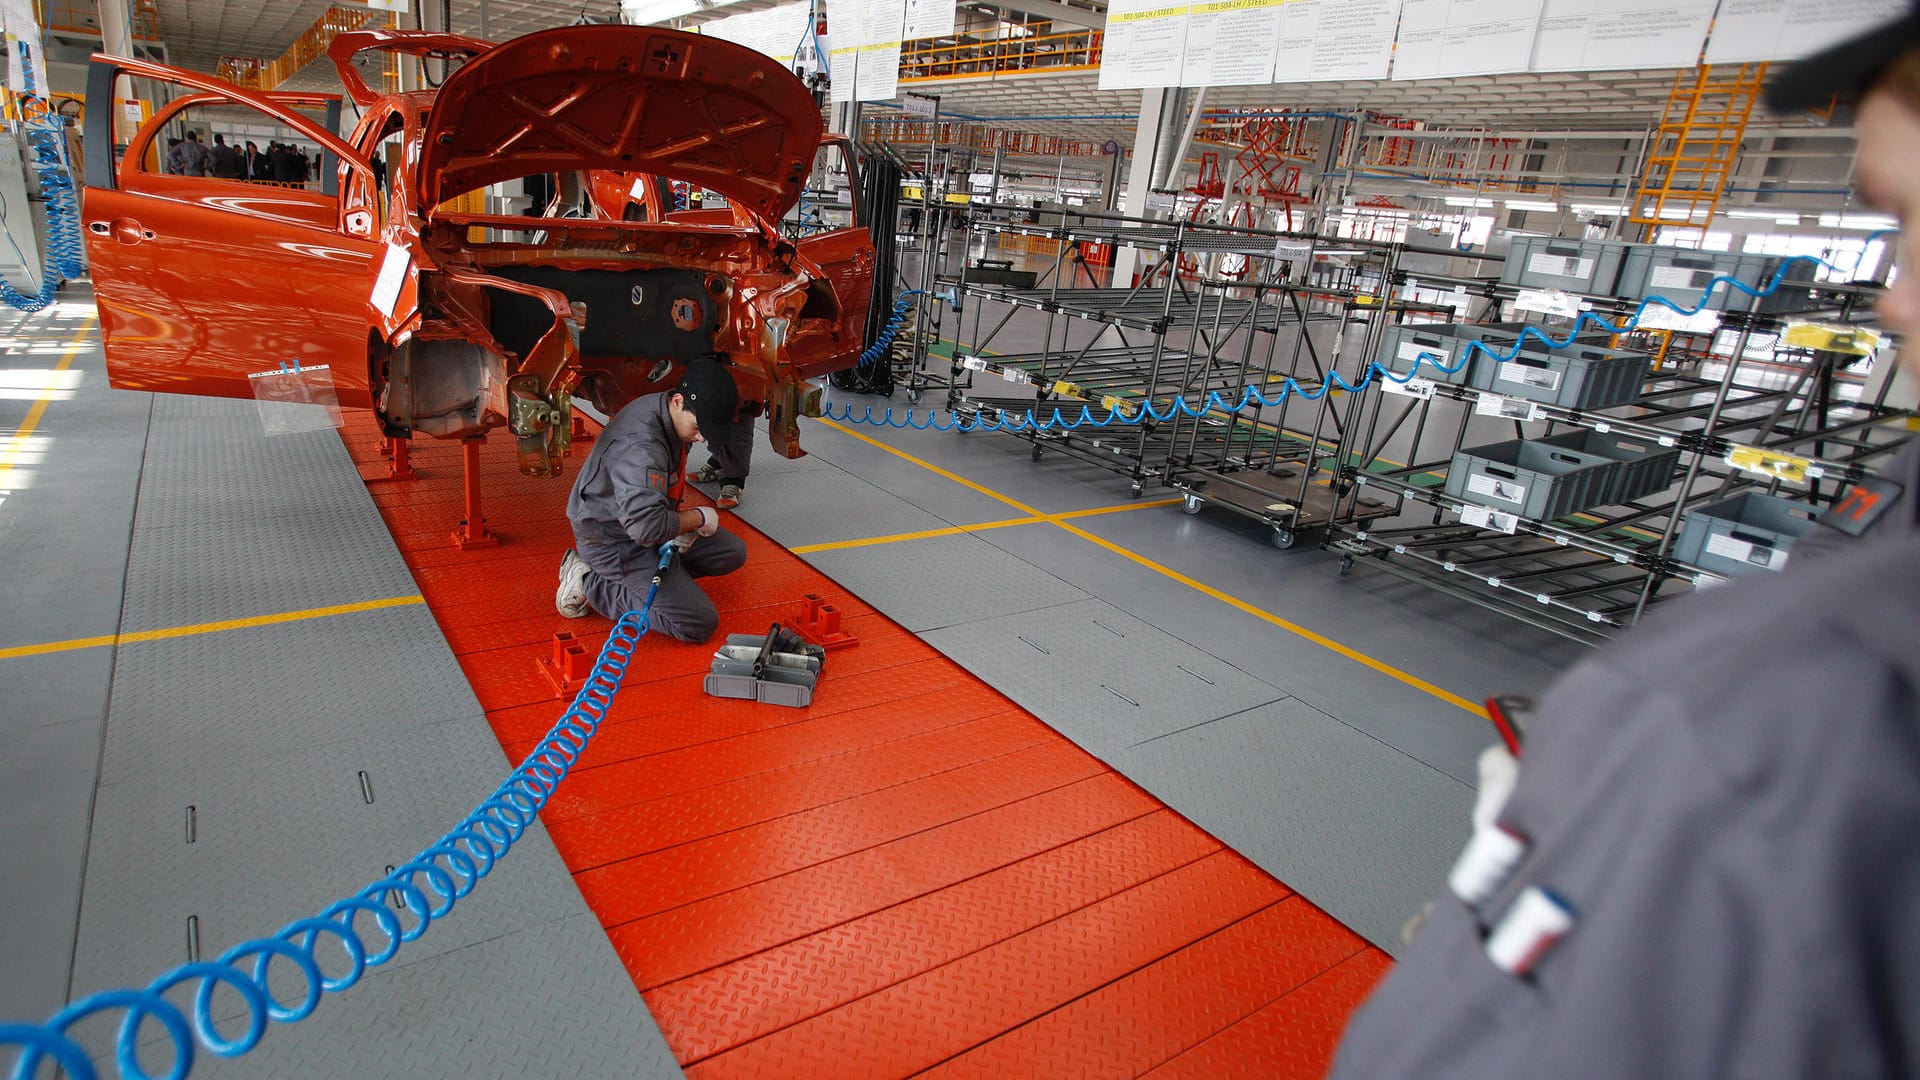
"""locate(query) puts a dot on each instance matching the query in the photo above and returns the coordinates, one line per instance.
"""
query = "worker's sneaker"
(708, 473)
(729, 496)
(570, 599)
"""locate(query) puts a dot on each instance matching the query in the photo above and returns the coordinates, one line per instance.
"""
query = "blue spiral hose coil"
(65, 256)
(429, 885)
(1145, 412)
(881, 344)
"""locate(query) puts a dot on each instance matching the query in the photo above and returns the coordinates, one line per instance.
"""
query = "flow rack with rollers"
(1177, 331)
(1629, 479)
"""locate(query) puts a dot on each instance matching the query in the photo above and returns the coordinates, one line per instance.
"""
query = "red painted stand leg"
(472, 531)
(401, 465)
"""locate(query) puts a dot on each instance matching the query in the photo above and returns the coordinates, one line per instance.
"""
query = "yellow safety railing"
(310, 46)
(927, 60)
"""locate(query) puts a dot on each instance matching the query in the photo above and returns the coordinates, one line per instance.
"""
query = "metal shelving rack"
(1587, 575)
(1179, 336)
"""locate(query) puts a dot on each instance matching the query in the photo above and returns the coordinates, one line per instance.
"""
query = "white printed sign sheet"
(878, 74)
(1231, 42)
(1331, 40)
(1446, 38)
(1146, 43)
(1604, 35)
(929, 18)
(1749, 30)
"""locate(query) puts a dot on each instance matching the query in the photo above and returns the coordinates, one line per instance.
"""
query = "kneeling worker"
(623, 507)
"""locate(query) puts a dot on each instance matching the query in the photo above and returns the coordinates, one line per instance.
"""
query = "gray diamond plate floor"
(1300, 716)
(195, 790)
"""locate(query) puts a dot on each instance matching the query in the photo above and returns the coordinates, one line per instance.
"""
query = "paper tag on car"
(1548, 302)
(638, 192)
(1481, 517)
(393, 275)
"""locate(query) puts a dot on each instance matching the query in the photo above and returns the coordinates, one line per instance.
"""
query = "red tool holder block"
(819, 623)
(567, 669)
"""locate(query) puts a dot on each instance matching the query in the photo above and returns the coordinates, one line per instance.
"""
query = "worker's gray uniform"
(732, 450)
(1728, 800)
(622, 509)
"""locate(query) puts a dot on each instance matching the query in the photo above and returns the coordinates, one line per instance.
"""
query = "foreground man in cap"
(1707, 862)
(626, 503)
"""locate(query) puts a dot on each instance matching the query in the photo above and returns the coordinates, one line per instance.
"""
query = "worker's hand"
(684, 541)
(1499, 771)
(709, 520)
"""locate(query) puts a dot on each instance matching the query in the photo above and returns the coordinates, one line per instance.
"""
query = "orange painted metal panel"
(1293, 1038)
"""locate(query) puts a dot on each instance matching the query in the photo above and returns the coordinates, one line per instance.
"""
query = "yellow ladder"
(1695, 147)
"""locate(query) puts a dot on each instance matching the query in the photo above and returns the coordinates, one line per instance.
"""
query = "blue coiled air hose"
(901, 305)
(1145, 411)
(449, 869)
(65, 255)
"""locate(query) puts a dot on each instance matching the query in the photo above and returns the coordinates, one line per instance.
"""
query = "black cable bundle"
(880, 175)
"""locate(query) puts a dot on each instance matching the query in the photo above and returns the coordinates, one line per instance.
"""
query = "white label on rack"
(1678, 277)
(1740, 551)
(1539, 378)
(973, 363)
(1560, 266)
(1507, 408)
(1602, 426)
(1662, 317)
(1481, 517)
(1413, 388)
(1495, 488)
(1411, 352)
(1668, 442)
(1014, 375)
(1815, 472)
(1547, 302)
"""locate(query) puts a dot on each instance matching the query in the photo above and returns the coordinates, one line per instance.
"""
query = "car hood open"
(624, 98)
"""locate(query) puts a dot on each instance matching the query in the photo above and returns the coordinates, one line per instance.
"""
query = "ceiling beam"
(1060, 13)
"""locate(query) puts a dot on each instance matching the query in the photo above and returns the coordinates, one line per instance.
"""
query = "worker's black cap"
(707, 390)
(1846, 70)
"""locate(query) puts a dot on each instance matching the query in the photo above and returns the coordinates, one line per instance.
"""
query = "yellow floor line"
(961, 530)
(1232, 601)
(18, 444)
(209, 628)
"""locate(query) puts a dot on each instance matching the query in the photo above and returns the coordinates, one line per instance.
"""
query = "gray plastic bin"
(1548, 262)
(1577, 377)
(1641, 467)
(1746, 534)
(1531, 477)
(1450, 341)
(1682, 276)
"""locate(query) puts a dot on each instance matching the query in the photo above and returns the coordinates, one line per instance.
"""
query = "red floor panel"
(910, 874)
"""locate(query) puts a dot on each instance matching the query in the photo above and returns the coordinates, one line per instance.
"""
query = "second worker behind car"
(625, 505)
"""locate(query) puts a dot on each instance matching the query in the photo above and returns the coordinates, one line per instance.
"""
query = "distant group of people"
(279, 163)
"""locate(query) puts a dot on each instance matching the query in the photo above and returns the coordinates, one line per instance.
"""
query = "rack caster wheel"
(1346, 564)
(913, 395)
(1192, 504)
(1135, 488)
(1036, 451)
(1283, 538)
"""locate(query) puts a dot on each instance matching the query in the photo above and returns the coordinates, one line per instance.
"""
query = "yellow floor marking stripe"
(1232, 601)
(961, 530)
(18, 443)
(209, 628)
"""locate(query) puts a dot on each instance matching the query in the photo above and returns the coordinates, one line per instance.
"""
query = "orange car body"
(450, 322)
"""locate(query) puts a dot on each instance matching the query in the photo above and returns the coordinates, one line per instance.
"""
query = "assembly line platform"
(1101, 788)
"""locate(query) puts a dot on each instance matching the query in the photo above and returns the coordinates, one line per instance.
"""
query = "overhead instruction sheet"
(1749, 30)
(1330, 40)
(1146, 43)
(1603, 35)
(1231, 42)
(929, 18)
(878, 75)
(1446, 38)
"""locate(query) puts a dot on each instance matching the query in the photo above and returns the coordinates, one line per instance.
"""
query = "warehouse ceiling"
(199, 32)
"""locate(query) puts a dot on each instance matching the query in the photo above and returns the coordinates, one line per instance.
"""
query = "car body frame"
(450, 321)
